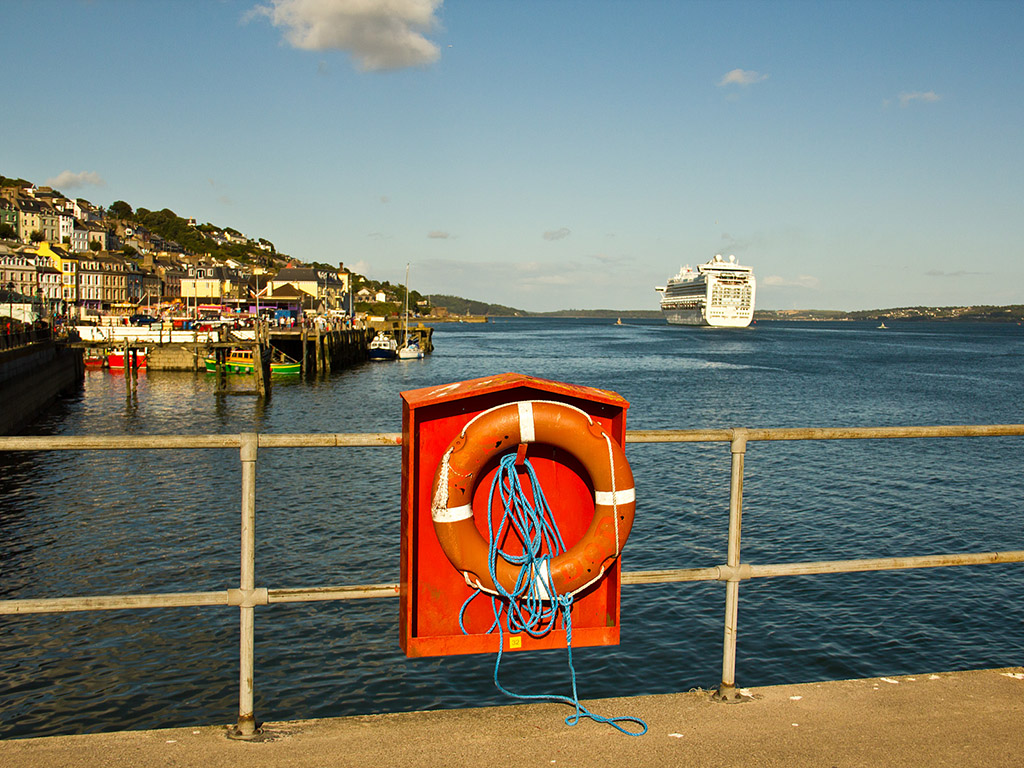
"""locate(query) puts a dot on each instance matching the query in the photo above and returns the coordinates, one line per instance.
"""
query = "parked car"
(142, 320)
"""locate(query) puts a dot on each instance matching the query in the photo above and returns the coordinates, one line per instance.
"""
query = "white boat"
(383, 347)
(411, 350)
(718, 293)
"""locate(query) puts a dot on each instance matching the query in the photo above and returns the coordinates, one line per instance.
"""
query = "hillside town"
(68, 261)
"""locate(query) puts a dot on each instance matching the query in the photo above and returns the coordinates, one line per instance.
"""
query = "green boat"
(241, 361)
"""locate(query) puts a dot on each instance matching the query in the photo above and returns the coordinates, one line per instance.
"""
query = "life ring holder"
(504, 428)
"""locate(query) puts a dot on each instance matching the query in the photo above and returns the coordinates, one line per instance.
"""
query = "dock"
(936, 720)
(320, 350)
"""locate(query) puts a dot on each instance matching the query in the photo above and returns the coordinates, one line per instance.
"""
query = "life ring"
(504, 428)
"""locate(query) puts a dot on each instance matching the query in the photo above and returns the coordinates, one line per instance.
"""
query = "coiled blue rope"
(533, 605)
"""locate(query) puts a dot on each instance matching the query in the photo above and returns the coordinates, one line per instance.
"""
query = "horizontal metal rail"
(248, 596)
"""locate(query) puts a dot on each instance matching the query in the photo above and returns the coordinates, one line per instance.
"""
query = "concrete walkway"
(946, 719)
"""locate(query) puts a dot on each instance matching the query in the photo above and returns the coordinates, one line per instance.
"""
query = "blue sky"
(548, 155)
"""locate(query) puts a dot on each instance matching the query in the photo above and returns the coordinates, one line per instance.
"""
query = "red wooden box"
(432, 590)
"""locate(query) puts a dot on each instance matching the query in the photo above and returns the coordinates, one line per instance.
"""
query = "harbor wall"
(32, 378)
(176, 357)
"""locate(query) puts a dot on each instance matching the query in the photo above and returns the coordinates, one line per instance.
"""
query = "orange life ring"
(504, 428)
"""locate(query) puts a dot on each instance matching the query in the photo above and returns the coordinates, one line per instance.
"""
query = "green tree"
(94, 246)
(120, 209)
(7, 232)
(36, 237)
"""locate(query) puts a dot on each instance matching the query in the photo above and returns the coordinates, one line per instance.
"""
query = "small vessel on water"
(383, 347)
(410, 350)
(242, 361)
(718, 293)
(95, 359)
(883, 326)
(116, 358)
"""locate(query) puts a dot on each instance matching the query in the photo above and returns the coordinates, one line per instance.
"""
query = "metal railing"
(247, 595)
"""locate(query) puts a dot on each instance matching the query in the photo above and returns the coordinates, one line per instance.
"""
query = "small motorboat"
(95, 359)
(242, 361)
(383, 347)
(116, 359)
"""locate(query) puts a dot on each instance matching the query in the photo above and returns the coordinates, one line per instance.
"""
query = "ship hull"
(697, 317)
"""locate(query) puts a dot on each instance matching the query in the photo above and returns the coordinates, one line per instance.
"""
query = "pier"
(943, 720)
(319, 349)
(249, 595)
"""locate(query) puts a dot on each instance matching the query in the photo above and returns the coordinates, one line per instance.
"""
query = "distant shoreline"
(1012, 313)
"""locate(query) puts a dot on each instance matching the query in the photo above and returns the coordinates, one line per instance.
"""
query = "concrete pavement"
(945, 719)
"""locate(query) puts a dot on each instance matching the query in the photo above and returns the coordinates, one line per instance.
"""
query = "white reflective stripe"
(609, 499)
(526, 432)
(452, 514)
(542, 579)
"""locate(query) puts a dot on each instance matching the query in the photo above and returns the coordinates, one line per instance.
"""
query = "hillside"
(1010, 313)
(459, 306)
(220, 242)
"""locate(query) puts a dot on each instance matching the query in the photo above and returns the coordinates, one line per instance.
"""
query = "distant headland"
(1013, 313)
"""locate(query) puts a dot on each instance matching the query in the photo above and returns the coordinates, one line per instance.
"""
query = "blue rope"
(533, 605)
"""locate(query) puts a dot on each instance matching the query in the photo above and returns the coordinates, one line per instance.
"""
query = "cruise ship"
(719, 293)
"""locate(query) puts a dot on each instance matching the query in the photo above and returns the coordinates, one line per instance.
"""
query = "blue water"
(134, 522)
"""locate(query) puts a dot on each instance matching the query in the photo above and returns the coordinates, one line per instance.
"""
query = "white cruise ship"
(719, 293)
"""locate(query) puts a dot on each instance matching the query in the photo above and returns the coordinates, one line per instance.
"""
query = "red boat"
(115, 360)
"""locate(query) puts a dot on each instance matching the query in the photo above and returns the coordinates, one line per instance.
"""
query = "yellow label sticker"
(514, 642)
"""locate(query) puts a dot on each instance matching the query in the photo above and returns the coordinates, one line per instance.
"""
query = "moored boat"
(242, 361)
(95, 359)
(717, 293)
(383, 347)
(116, 358)
(411, 351)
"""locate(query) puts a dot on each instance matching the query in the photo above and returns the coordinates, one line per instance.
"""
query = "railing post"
(727, 689)
(245, 728)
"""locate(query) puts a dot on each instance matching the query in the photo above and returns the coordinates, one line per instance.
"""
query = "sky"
(550, 154)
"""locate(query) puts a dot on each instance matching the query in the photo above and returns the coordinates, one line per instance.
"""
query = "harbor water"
(131, 522)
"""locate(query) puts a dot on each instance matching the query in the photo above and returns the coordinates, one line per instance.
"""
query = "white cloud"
(439, 235)
(927, 96)
(379, 34)
(741, 77)
(70, 180)
(801, 281)
(557, 234)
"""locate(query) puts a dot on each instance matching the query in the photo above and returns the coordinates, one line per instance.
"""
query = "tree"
(7, 232)
(94, 246)
(36, 237)
(120, 209)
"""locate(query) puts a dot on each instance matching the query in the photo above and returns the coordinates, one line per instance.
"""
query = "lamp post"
(10, 302)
